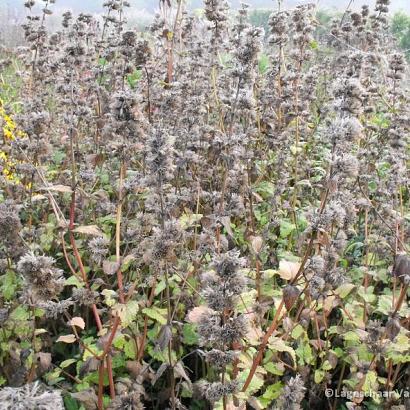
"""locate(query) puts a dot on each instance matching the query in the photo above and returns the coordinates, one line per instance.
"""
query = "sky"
(151, 5)
(15, 9)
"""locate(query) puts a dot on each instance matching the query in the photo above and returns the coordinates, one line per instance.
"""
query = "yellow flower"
(10, 133)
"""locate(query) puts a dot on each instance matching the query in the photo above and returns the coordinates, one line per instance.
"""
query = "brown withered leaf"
(401, 266)
(134, 367)
(290, 295)
(288, 270)
(66, 339)
(194, 315)
(226, 222)
(179, 371)
(95, 159)
(92, 230)
(90, 365)
(87, 398)
(58, 188)
(323, 238)
(318, 344)
(159, 373)
(43, 361)
(393, 327)
(257, 243)
(164, 337)
(77, 321)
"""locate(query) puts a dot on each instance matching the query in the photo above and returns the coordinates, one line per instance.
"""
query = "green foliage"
(400, 26)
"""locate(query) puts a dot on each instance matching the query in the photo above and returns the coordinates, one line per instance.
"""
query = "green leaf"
(385, 303)
(272, 392)
(298, 331)
(351, 336)
(20, 313)
(189, 220)
(161, 285)
(74, 281)
(70, 403)
(9, 285)
(305, 354)
(279, 345)
(326, 365)
(367, 294)
(134, 78)
(370, 383)
(158, 314)
(109, 297)
(319, 376)
(129, 349)
(274, 368)
(127, 312)
(189, 334)
(255, 384)
(263, 63)
(67, 363)
(286, 228)
(53, 377)
(343, 290)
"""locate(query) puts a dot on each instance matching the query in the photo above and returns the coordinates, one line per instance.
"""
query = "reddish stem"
(263, 345)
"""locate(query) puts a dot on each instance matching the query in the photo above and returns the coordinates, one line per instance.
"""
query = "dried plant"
(204, 214)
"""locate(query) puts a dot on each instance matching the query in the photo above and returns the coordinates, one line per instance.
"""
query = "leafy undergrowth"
(205, 215)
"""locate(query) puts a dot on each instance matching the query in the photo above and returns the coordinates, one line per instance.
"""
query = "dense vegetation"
(205, 215)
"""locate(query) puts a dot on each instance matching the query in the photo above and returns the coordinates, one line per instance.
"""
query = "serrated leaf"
(127, 312)
(109, 297)
(298, 331)
(188, 220)
(343, 290)
(74, 281)
(279, 345)
(286, 228)
(159, 315)
(275, 368)
(370, 383)
(20, 313)
(189, 334)
(319, 376)
(255, 384)
(272, 392)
